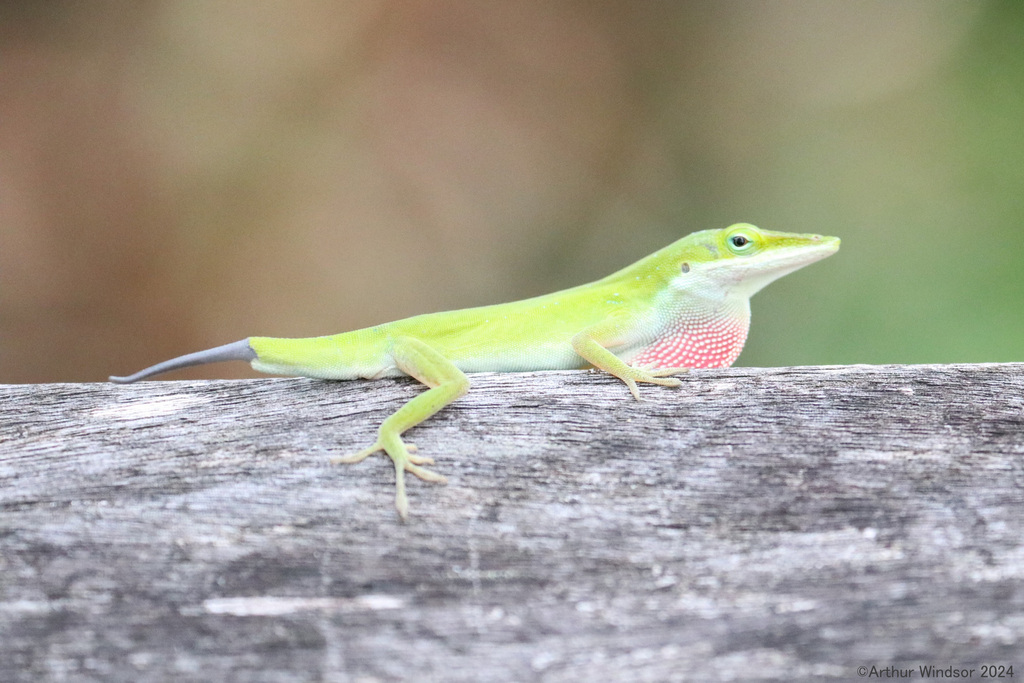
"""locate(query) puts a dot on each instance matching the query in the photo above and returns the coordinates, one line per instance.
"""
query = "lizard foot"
(401, 454)
(664, 372)
(650, 375)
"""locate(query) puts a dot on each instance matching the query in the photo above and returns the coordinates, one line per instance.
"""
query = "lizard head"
(702, 286)
(740, 260)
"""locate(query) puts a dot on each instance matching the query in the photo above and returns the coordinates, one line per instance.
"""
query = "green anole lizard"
(684, 306)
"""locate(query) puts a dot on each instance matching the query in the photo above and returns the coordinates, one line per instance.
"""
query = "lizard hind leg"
(446, 382)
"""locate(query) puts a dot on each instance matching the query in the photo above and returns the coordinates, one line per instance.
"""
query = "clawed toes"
(425, 474)
(355, 457)
(402, 505)
(402, 455)
(420, 459)
(665, 372)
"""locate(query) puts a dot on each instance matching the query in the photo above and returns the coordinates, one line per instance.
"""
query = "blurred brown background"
(177, 175)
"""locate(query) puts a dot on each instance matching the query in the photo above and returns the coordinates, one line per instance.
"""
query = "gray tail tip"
(239, 350)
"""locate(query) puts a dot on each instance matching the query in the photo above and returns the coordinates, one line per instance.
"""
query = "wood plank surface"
(755, 524)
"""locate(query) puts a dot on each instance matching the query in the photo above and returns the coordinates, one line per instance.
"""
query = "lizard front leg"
(592, 344)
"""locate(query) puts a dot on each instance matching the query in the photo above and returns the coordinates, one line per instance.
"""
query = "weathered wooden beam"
(755, 524)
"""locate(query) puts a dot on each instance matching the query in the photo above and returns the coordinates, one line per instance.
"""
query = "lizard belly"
(705, 342)
(556, 356)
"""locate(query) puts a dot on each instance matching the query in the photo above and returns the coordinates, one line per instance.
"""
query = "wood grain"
(755, 524)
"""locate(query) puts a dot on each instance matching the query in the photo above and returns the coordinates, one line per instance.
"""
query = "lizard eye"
(742, 243)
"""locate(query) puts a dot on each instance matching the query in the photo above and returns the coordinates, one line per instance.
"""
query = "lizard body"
(685, 306)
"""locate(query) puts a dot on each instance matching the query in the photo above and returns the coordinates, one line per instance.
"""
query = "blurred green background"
(176, 175)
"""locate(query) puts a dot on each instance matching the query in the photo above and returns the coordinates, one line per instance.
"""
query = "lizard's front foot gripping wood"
(588, 346)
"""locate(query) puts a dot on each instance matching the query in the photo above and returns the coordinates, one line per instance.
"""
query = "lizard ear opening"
(685, 268)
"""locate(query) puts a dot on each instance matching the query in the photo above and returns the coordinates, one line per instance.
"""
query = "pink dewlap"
(712, 343)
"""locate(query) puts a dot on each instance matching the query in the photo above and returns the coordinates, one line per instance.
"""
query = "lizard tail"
(239, 350)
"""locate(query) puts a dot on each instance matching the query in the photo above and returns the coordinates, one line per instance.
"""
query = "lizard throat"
(697, 339)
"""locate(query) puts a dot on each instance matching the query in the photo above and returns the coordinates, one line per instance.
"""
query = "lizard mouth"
(756, 272)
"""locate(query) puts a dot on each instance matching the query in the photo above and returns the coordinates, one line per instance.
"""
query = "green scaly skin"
(684, 306)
